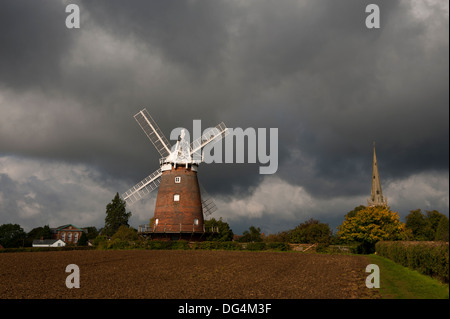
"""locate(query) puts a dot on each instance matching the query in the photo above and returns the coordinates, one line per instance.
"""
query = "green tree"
(38, 232)
(253, 234)
(12, 235)
(312, 231)
(125, 233)
(92, 232)
(424, 226)
(433, 217)
(442, 230)
(282, 236)
(116, 216)
(415, 221)
(83, 241)
(224, 231)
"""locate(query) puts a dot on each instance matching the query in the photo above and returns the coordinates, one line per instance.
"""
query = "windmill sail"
(208, 205)
(142, 188)
(153, 132)
(211, 135)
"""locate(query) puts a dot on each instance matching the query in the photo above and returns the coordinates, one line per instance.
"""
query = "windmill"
(180, 203)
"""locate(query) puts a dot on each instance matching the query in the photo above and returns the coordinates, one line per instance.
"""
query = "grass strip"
(398, 282)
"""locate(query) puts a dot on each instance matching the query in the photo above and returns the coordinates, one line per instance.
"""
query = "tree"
(415, 221)
(310, 232)
(92, 232)
(224, 231)
(370, 225)
(253, 234)
(424, 226)
(125, 233)
(353, 212)
(442, 231)
(282, 236)
(116, 216)
(12, 235)
(433, 217)
(83, 241)
(38, 233)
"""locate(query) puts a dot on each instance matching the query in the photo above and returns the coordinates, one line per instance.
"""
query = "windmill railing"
(180, 228)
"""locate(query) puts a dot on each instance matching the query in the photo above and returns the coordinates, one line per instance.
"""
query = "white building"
(48, 243)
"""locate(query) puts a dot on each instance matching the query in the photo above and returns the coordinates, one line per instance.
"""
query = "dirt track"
(184, 275)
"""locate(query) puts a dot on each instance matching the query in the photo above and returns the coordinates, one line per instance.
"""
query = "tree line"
(362, 226)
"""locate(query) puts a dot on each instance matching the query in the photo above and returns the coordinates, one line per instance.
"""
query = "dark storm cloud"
(189, 33)
(32, 42)
(309, 68)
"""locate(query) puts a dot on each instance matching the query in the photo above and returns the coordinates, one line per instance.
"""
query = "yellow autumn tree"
(370, 225)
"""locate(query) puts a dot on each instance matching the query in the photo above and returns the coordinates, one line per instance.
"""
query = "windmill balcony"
(146, 228)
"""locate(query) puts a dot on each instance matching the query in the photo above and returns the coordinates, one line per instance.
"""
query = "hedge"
(215, 245)
(37, 249)
(428, 258)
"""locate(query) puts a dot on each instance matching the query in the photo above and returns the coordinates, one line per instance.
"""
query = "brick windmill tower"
(180, 202)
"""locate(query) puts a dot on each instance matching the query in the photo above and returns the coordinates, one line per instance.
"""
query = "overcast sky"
(312, 69)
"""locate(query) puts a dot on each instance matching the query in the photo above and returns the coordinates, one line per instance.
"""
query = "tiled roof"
(44, 241)
(65, 226)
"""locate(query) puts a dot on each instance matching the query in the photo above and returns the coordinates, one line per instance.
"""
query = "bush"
(229, 245)
(428, 258)
(100, 242)
(118, 243)
(278, 246)
(215, 245)
(322, 248)
(365, 247)
(180, 244)
(37, 249)
(256, 246)
(155, 244)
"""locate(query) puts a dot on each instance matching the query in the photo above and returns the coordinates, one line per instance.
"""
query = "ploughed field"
(184, 274)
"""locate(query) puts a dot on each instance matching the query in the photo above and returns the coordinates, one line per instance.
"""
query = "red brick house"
(69, 233)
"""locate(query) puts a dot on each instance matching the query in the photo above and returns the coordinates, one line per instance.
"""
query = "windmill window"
(177, 179)
(156, 221)
(176, 198)
(195, 221)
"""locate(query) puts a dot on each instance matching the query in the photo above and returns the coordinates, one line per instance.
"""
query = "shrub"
(100, 242)
(180, 244)
(229, 245)
(214, 245)
(428, 258)
(278, 246)
(256, 246)
(156, 244)
(118, 243)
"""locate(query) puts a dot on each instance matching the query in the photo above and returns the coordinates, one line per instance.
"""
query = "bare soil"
(183, 274)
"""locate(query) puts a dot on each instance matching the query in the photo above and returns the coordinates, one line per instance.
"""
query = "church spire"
(376, 196)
